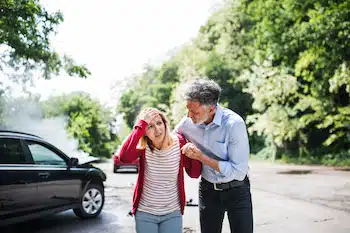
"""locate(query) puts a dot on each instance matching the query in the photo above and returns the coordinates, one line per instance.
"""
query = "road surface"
(286, 199)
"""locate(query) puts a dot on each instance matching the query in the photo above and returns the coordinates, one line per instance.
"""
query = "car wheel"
(115, 168)
(91, 202)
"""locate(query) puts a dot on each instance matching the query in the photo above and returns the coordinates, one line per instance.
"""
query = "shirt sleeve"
(238, 152)
(128, 151)
(193, 167)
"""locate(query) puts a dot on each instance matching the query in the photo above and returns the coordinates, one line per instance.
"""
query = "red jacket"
(129, 153)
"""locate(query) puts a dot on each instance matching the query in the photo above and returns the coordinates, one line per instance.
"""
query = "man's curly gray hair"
(205, 91)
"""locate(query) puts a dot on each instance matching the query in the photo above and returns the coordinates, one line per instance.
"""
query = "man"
(218, 138)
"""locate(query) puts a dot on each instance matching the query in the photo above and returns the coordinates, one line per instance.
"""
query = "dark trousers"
(236, 201)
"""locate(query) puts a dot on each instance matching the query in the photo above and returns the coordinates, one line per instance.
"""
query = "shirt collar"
(218, 115)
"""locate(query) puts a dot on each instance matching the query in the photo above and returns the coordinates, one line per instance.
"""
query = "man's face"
(197, 112)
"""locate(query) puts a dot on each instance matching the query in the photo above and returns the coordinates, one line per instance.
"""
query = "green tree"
(88, 122)
(25, 31)
(304, 44)
(152, 88)
(283, 65)
(137, 95)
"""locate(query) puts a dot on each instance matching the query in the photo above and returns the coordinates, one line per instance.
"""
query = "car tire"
(115, 168)
(91, 202)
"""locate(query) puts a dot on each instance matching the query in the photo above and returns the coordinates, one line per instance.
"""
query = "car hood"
(88, 160)
(85, 158)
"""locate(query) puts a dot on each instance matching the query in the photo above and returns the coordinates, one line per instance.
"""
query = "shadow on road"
(64, 222)
(295, 172)
(344, 169)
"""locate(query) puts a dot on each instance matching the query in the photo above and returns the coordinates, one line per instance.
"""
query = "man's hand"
(192, 152)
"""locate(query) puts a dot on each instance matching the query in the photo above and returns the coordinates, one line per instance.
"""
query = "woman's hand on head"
(148, 115)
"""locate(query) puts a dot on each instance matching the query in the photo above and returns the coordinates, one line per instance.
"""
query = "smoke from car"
(27, 117)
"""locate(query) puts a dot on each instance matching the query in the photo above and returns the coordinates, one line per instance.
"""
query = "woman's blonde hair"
(144, 140)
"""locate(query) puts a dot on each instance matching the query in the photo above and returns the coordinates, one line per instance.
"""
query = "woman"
(159, 195)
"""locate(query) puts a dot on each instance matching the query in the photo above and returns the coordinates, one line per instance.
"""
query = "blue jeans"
(150, 223)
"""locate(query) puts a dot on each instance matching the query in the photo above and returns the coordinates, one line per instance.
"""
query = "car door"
(58, 185)
(18, 187)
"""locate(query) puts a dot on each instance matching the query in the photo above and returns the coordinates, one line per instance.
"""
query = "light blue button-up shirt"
(224, 139)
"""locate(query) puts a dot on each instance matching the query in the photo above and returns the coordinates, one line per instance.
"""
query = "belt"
(227, 185)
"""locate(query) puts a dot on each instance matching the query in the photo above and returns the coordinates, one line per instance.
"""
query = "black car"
(38, 179)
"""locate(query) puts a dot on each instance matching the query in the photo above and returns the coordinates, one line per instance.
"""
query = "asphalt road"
(286, 199)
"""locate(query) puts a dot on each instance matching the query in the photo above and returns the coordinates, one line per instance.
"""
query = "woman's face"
(156, 130)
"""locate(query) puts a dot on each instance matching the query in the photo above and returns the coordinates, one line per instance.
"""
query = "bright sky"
(116, 38)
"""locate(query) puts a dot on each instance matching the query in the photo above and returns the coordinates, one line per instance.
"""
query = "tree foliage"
(87, 121)
(25, 31)
(283, 65)
(303, 77)
(153, 88)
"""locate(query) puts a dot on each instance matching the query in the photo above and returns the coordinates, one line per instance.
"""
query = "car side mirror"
(73, 162)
